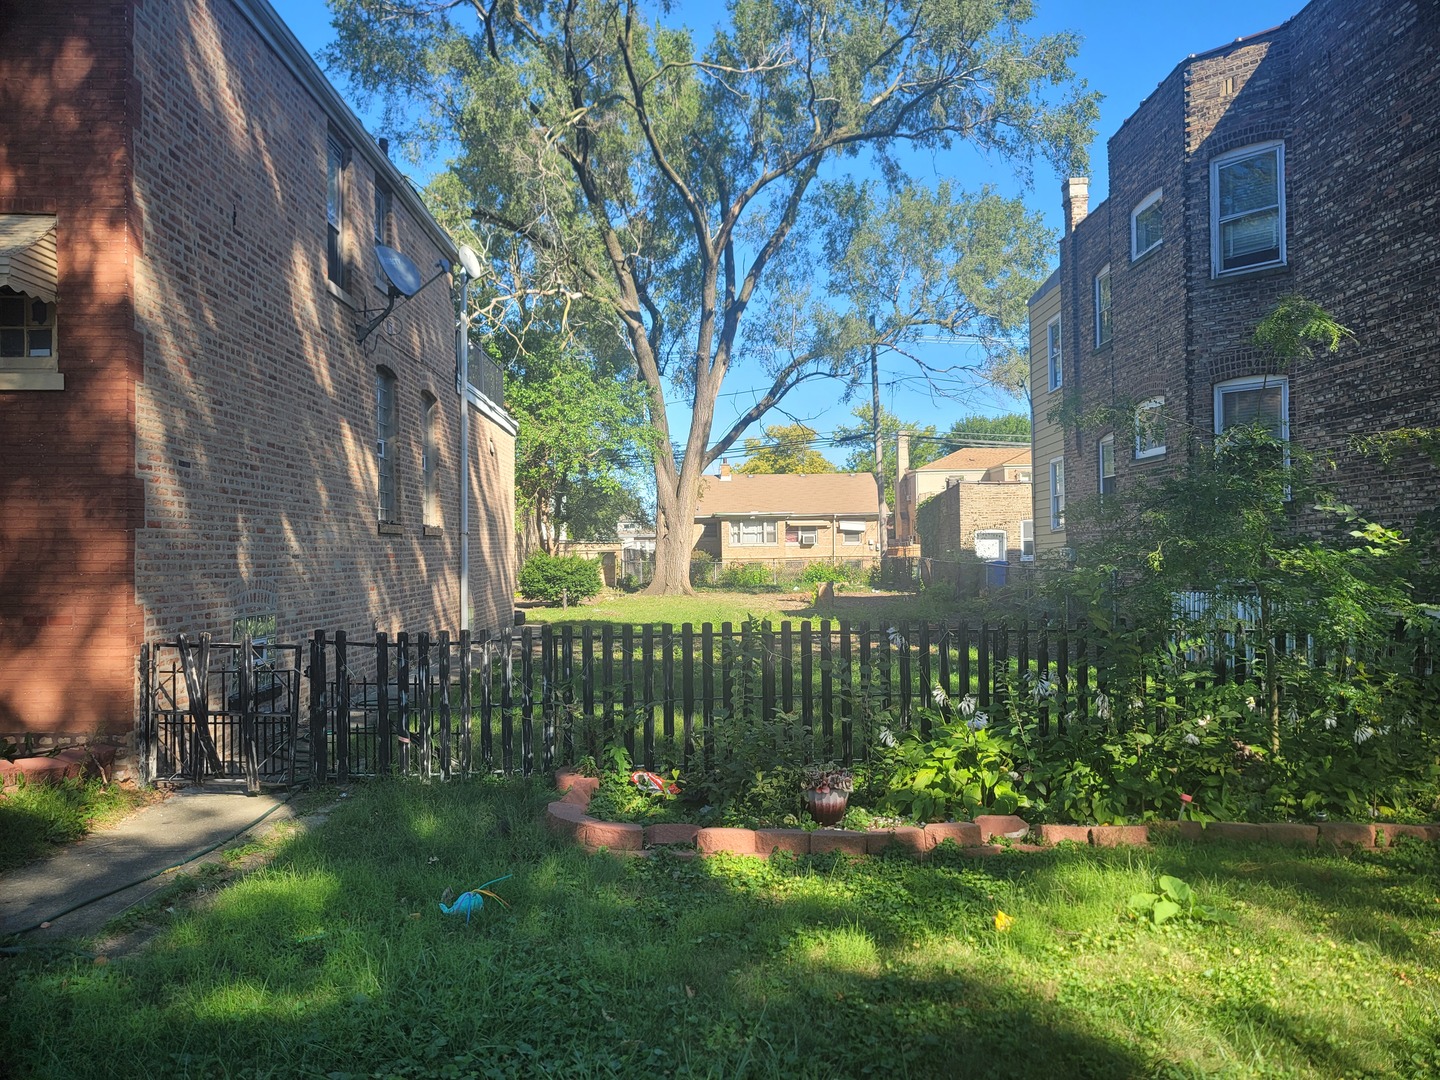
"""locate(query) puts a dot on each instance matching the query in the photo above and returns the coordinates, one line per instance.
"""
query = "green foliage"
(965, 768)
(553, 578)
(1294, 326)
(36, 816)
(840, 573)
(1174, 900)
(786, 448)
(746, 576)
(620, 190)
(582, 432)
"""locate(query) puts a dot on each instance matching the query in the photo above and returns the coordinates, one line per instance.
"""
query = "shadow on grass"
(335, 961)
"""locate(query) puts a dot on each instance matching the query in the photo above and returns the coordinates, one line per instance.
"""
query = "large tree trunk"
(674, 536)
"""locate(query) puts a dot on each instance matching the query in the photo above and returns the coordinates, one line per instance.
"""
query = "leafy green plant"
(746, 576)
(966, 767)
(1174, 900)
(553, 579)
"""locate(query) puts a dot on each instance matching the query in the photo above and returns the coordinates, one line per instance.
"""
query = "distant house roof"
(978, 457)
(789, 494)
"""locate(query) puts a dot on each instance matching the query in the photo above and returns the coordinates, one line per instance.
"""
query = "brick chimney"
(724, 469)
(1076, 200)
(902, 453)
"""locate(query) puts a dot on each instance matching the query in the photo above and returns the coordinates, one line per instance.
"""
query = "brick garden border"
(567, 817)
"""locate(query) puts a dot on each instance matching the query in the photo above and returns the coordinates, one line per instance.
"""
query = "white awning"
(852, 526)
(27, 254)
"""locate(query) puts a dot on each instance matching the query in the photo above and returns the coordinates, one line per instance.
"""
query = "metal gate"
(226, 711)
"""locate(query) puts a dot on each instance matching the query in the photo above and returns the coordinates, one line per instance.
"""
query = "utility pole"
(879, 439)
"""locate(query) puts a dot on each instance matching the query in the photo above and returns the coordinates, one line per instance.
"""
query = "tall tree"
(582, 438)
(785, 448)
(679, 189)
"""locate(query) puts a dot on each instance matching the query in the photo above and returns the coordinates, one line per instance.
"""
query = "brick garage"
(1351, 94)
(212, 455)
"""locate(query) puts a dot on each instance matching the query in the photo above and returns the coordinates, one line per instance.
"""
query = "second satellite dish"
(399, 270)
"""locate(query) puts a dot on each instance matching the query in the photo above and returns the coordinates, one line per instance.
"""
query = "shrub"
(552, 579)
(746, 575)
(816, 573)
(702, 567)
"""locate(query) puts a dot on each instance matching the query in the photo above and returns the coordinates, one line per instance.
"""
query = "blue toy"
(474, 900)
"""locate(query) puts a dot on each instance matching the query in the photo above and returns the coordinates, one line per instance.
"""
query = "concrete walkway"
(111, 871)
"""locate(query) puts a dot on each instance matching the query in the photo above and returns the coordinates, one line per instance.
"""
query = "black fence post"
(318, 763)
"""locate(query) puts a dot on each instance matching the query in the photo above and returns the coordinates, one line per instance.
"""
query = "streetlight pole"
(879, 439)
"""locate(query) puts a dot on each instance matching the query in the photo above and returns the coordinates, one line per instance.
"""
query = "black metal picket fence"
(529, 698)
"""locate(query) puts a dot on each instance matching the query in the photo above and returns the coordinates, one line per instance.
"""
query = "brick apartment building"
(193, 437)
(1302, 160)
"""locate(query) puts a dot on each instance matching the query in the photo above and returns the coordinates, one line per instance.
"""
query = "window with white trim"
(385, 443)
(1057, 493)
(852, 533)
(990, 545)
(804, 535)
(1052, 351)
(1247, 208)
(1150, 428)
(1102, 306)
(752, 533)
(1262, 400)
(1027, 540)
(1145, 222)
(1107, 464)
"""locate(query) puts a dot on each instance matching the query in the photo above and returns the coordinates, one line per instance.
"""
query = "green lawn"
(334, 961)
(34, 817)
(717, 606)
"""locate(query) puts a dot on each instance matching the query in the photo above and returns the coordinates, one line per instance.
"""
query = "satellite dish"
(469, 260)
(400, 271)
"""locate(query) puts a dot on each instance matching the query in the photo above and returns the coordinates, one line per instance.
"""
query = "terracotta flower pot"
(827, 807)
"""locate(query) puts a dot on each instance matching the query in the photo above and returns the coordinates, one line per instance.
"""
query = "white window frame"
(1104, 328)
(1143, 449)
(1217, 223)
(1255, 382)
(1057, 494)
(1105, 460)
(1157, 199)
(742, 533)
(1054, 353)
(1027, 540)
(991, 534)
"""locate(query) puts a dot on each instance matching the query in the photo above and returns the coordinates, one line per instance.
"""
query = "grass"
(717, 606)
(35, 817)
(333, 961)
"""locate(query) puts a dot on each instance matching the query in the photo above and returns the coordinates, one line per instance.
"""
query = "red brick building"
(1302, 160)
(193, 437)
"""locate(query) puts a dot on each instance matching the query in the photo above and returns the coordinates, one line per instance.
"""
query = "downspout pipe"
(470, 268)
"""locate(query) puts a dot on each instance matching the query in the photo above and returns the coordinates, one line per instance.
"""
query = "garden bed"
(986, 834)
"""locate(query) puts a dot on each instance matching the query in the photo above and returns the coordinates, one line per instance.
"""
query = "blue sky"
(1126, 49)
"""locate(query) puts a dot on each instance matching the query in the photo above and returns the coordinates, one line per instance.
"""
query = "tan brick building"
(786, 521)
(1301, 160)
(192, 433)
(985, 493)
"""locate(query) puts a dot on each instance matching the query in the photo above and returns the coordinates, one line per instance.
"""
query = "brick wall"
(212, 455)
(949, 520)
(1353, 93)
(69, 623)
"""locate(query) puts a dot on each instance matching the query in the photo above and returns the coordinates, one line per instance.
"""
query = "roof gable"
(978, 457)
